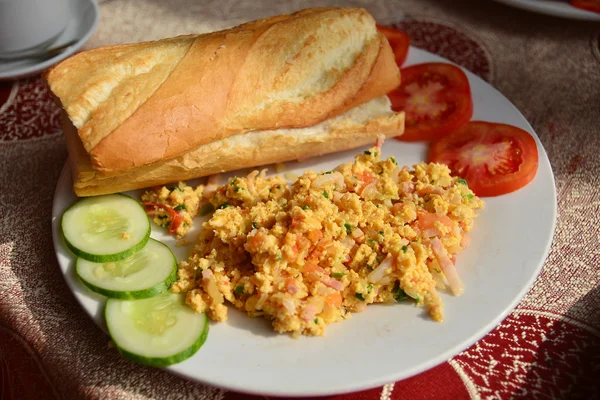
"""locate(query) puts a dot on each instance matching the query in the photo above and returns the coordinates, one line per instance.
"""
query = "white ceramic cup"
(29, 24)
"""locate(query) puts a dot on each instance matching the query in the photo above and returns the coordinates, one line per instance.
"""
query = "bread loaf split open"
(273, 90)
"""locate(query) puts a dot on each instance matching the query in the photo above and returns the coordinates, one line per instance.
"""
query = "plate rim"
(565, 10)
(361, 385)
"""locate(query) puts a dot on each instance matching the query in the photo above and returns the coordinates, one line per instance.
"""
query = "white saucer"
(82, 23)
(557, 8)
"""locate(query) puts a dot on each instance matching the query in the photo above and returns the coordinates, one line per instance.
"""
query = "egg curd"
(173, 208)
(311, 253)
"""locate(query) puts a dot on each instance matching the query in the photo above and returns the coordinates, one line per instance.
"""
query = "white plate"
(557, 8)
(82, 23)
(510, 242)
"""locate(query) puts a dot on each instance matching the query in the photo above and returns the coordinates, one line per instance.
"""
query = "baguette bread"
(134, 107)
(356, 127)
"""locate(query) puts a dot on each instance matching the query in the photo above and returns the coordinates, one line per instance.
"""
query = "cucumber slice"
(158, 331)
(143, 274)
(105, 228)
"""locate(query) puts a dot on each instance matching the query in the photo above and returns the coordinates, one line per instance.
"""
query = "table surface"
(549, 346)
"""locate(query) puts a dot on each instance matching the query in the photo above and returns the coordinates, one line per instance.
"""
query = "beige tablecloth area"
(548, 346)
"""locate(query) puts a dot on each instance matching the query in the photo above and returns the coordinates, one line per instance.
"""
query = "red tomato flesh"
(436, 98)
(399, 41)
(176, 218)
(494, 159)
(588, 5)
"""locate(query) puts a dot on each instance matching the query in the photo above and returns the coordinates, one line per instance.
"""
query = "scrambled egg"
(173, 208)
(309, 254)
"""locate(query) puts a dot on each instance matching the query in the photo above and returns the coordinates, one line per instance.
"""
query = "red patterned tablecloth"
(548, 347)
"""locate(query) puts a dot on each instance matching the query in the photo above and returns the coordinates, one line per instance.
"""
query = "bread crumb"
(290, 176)
(182, 242)
(279, 167)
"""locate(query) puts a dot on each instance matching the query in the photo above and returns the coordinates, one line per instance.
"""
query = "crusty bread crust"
(139, 104)
(357, 127)
(378, 81)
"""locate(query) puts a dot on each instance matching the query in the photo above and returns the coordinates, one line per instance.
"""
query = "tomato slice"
(436, 98)
(176, 218)
(589, 5)
(494, 158)
(399, 41)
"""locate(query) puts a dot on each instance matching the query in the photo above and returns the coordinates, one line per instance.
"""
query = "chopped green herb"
(239, 289)
(162, 216)
(469, 196)
(207, 209)
(405, 248)
(398, 293)
(462, 181)
(305, 207)
(367, 152)
(394, 160)
(369, 267)
(418, 299)
(372, 241)
(328, 172)
(224, 205)
(279, 256)
(185, 224)
(338, 275)
(278, 187)
(254, 225)
(234, 180)
(316, 320)
(375, 154)
(348, 228)
(325, 194)
(359, 296)
(382, 233)
(369, 288)
(180, 207)
(238, 188)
